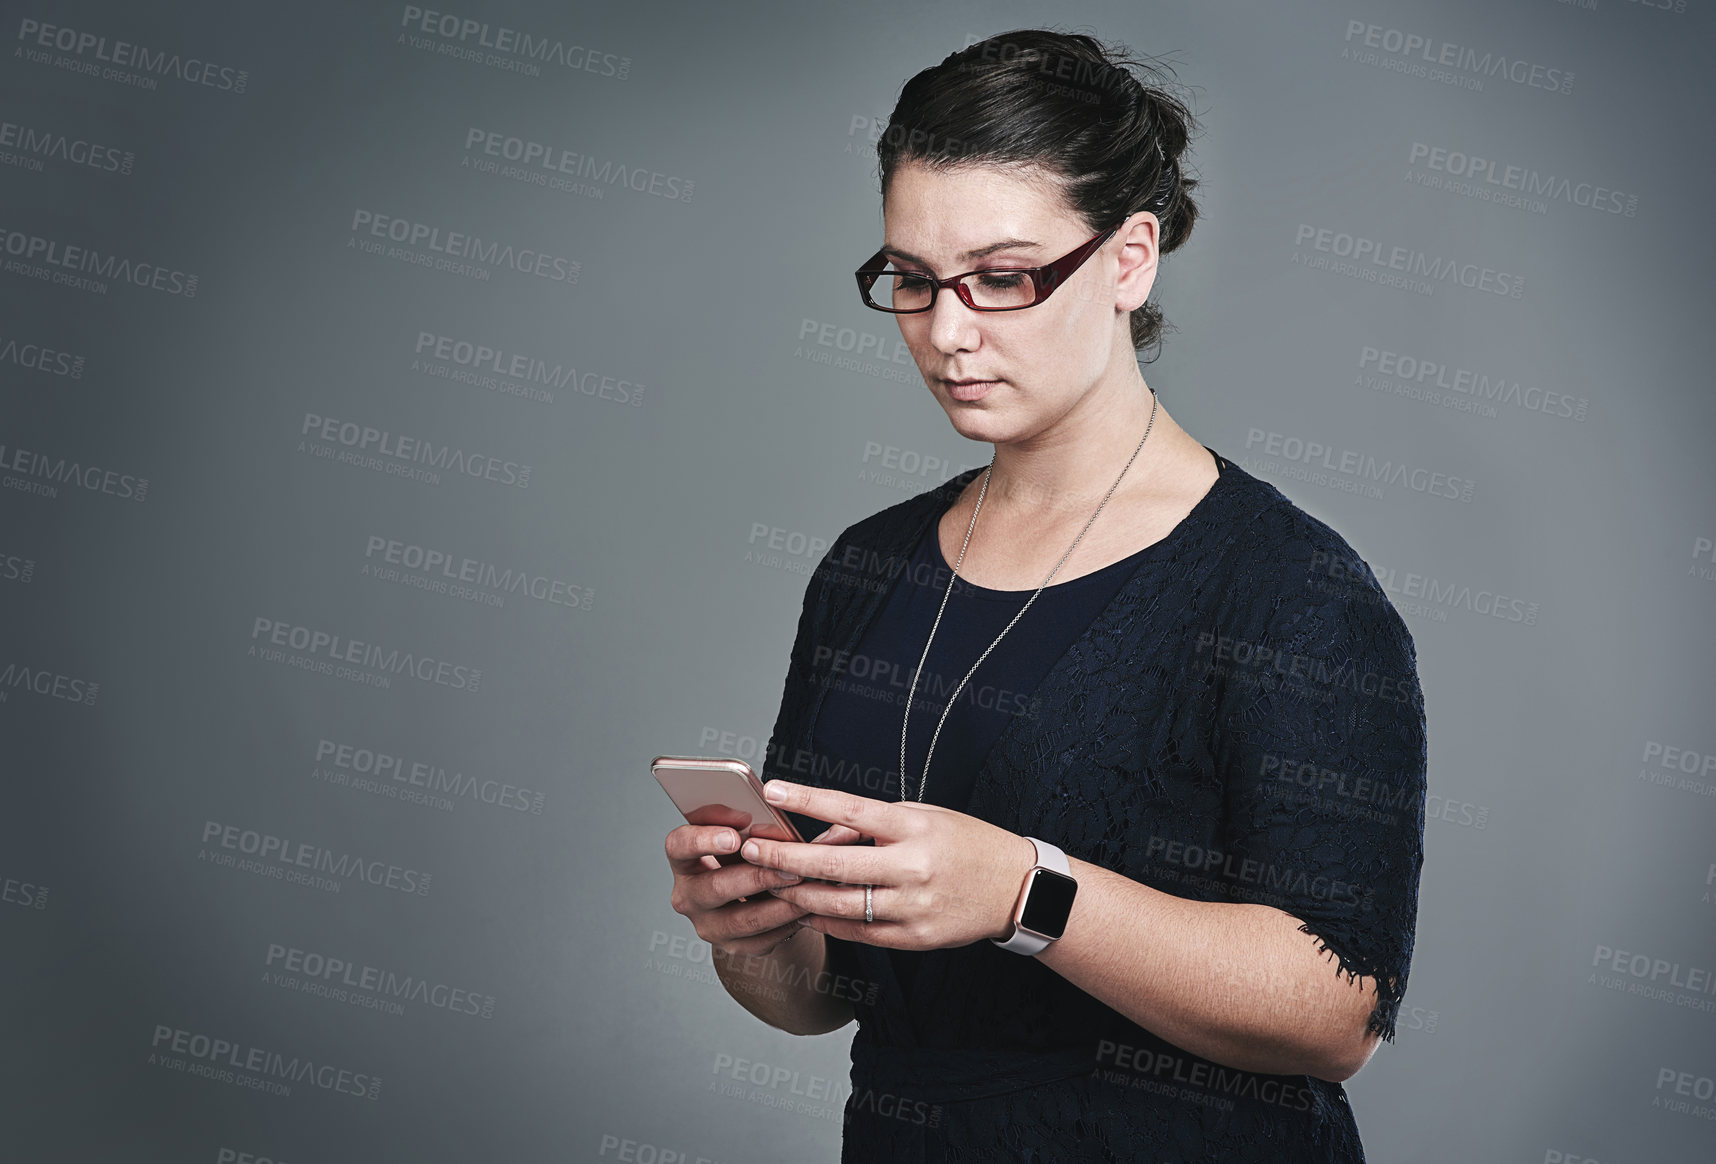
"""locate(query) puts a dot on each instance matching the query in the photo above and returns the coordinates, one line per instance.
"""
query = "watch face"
(1048, 903)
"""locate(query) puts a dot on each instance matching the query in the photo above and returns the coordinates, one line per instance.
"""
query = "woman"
(1122, 753)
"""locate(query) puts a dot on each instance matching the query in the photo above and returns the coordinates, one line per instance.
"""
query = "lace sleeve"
(1321, 742)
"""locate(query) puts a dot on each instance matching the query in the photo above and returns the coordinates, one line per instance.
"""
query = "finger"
(688, 843)
(876, 818)
(848, 864)
(834, 901)
(713, 890)
(893, 935)
(742, 922)
(837, 835)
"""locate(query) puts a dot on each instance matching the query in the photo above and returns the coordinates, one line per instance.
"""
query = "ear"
(1139, 236)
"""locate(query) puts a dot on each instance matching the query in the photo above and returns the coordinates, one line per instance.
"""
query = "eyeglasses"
(992, 289)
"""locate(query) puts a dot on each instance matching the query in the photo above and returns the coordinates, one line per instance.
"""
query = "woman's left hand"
(942, 878)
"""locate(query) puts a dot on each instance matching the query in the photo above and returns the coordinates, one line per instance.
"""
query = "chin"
(976, 426)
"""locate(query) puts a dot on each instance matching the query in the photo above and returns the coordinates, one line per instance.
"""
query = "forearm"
(786, 988)
(1236, 983)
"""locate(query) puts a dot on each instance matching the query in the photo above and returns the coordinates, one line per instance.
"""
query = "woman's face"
(1040, 361)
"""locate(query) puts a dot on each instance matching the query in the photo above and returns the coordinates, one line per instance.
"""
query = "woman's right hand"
(729, 904)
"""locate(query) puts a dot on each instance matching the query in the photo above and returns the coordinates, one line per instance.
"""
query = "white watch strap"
(1048, 857)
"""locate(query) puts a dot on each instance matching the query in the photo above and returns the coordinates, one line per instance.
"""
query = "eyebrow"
(980, 252)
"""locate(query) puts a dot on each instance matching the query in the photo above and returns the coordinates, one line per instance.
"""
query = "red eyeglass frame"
(1044, 279)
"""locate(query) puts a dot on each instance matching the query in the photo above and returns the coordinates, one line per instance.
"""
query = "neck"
(1071, 466)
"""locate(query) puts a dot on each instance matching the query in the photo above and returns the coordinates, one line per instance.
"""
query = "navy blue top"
(866, 701)
(1231, 714)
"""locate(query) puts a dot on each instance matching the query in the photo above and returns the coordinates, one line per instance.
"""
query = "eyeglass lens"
(906, 291)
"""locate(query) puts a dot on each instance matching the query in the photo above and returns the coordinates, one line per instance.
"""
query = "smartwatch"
(1045, 902)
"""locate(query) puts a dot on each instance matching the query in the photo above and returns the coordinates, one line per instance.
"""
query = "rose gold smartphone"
(720, 790)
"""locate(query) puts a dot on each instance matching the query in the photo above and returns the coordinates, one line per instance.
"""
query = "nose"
(953, 325)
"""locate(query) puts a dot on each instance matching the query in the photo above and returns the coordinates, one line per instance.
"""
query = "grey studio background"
(415, 418)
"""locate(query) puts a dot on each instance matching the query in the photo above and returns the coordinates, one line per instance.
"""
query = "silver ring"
(869, 906)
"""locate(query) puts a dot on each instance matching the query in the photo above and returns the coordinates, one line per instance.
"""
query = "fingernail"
(752, 851)
(774, 792)
(785, 877)
(727, 842)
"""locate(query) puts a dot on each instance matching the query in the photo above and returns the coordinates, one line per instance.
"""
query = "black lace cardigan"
(1243, 722)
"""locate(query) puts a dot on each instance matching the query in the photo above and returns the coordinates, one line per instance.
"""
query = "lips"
(968, 390)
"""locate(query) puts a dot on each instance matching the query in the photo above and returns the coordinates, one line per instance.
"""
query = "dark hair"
(1066, 103)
